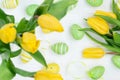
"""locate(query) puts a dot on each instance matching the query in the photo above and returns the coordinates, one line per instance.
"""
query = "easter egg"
(31, 9)
(77, 69)
(52, 67)
(25, 57)
(10, 4)
(60, 48)
(96, 72)
(76, 34)
(116, 60)
(95, 3)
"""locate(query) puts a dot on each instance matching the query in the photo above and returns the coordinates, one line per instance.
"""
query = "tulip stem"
(32, 31)
(24, 73)
(114, 49)
(18, 40)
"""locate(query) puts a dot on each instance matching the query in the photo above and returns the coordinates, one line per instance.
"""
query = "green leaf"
(111, 42)
(116, 28)
(116, 9)
(110, 20)
(26, 26)
(24, 73)
(116, 37)
(32, 23)
(48, 2)
(10, 19)
(6, 55)
(4, 18)
(22, 25)
(7, 70)
(39, 57)
(114, 49)
(4, 47)
(43, 8)
(2, 22)
(59, 9)
(16, 53)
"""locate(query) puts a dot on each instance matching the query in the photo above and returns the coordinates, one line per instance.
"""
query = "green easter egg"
(96, 72)
(116, 60)
(77, 35)
(95, 3)
(31, 9)
(60, 48)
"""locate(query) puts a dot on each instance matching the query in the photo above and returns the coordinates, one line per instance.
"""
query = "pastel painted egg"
(31, 9)
(60, 48)
(10, 4)
(25, 57)
(96, 72)
(76, 34)
(95, 3)
(116, 60)
(52, 67)
(77, 69)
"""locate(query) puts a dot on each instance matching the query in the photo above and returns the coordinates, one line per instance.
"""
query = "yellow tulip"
(8, 33)
(49, 22)
(109, 14)
(29, 42)
(93, 53)
(99, 25)
(44, 75)
(46, 31)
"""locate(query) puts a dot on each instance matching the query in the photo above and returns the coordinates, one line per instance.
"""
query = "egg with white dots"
(60, 48)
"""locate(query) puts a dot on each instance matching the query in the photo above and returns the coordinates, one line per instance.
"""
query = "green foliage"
(39, 57)
(4, 18)
(4, 47)
(43, 8)
(26, 26)
(15, 53)
(7, 70)
(24, 73)
(116, 9)
(116, 37)
(59, 9)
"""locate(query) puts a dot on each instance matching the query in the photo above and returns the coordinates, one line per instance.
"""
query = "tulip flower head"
(49, 22)
(29, 42)
(8, 33)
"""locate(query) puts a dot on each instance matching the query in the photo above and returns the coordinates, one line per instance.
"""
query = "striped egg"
(95, 3)
(25, 57)
(10, 4)
(60, 48)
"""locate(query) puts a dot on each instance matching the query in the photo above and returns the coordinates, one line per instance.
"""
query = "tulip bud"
(8, 33)
(43, 75)
(93, 53)
(99, 25)
(29, 42)
(109, 14)
(49, 22)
